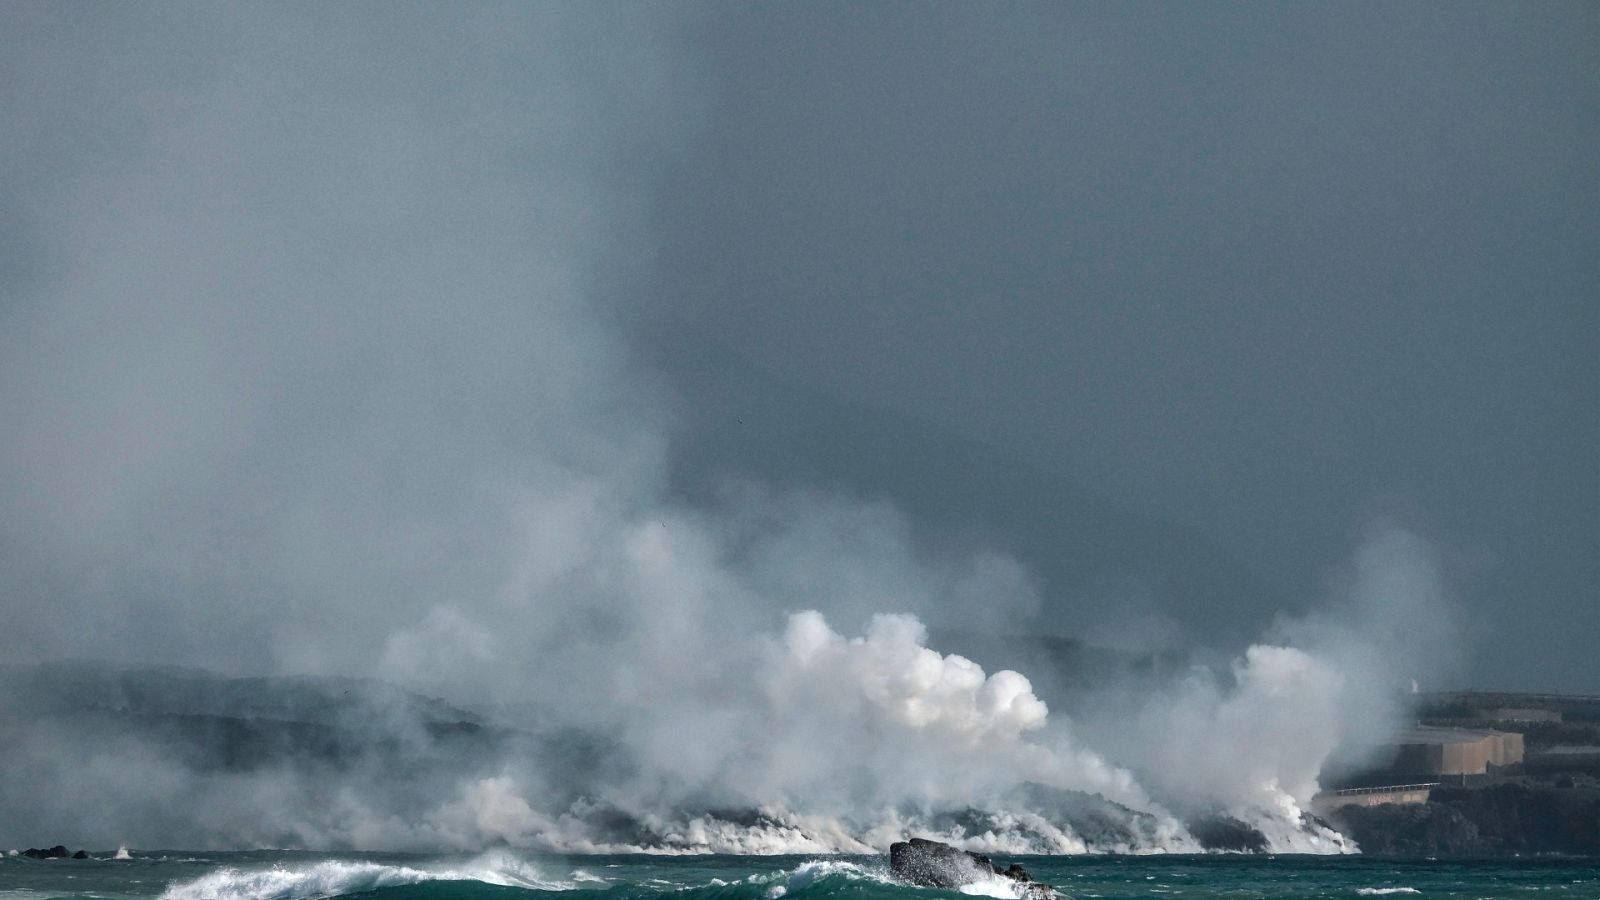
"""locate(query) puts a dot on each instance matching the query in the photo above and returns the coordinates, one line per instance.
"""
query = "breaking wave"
(504, 876)
(335, 878)
(811, 874)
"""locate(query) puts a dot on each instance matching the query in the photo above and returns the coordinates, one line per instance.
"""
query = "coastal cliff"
(1519, 817)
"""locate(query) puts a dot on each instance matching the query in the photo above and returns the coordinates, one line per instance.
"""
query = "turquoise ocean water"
(502, 875)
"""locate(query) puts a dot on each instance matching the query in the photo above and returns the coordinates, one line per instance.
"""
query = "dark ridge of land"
(1468, 708)
(1530, 700)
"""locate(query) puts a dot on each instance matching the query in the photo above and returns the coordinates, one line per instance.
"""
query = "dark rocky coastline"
(1515, 817)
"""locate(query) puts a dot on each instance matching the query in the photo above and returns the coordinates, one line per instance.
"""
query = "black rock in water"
(81, 854)
(56, 852)
(933, 864)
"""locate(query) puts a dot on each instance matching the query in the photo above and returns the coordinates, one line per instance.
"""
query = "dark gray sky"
(1270, 270)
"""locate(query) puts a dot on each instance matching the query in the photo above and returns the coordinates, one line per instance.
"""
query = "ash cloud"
(304, 375)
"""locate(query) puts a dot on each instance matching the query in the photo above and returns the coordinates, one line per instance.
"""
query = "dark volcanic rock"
(1502, 819)
(56, 852)
(1017, 873)
(81, 854)
(1102, 824)
(1413, 829)
(1227, 833)
(933, 864)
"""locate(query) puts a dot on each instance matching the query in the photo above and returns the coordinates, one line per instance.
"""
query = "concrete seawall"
(1328, 801)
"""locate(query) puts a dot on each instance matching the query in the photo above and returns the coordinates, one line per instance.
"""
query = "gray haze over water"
(672, 374)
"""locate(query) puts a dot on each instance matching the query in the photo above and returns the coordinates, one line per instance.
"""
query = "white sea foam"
(808, 873)
(1378, 892)
(122, 853)
(995, 886)
(334, 878)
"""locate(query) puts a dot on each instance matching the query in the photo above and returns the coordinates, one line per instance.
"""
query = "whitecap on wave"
(808, 873)
(333, 878)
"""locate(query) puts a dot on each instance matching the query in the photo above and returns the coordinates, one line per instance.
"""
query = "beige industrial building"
(1455, 751)
(1422, 758)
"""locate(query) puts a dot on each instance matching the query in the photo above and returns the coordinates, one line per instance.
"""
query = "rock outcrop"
(1226, 833)
(933, 864)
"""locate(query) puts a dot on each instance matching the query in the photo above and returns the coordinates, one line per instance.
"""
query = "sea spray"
(788, 878)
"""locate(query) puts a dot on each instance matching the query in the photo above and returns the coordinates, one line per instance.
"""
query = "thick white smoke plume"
(945, 730)
(302, 372)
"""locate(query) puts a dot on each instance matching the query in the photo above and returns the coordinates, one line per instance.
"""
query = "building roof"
(1426, 734)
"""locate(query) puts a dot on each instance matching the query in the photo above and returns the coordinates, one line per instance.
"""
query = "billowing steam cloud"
(302, 372)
